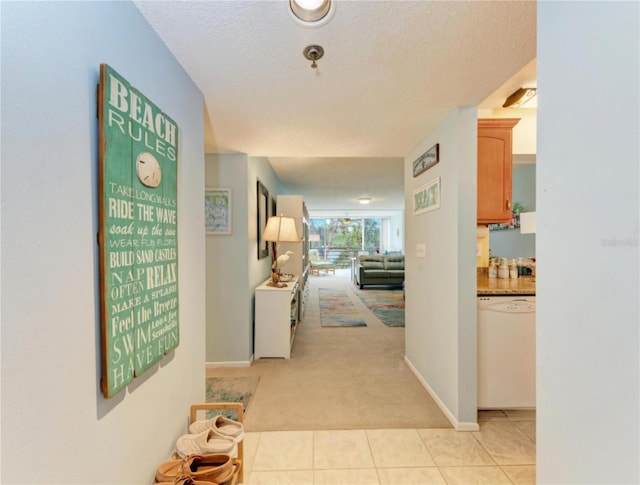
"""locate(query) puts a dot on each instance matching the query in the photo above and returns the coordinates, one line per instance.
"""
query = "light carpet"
(337, 309)
(338, 378)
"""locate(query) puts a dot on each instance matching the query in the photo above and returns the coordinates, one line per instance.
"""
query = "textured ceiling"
(392, 71)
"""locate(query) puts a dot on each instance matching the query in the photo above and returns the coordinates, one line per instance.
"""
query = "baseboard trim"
(233, 363)
(459, 426)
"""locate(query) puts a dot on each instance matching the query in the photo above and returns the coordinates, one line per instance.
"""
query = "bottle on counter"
(513, 269)
(493, 270)
(503, 269)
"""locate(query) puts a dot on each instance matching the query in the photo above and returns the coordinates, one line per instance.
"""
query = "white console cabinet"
(276, 319)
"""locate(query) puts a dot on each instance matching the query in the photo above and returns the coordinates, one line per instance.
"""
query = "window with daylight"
(339, 239)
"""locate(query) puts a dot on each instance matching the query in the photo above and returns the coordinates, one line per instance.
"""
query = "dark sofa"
(380, 270)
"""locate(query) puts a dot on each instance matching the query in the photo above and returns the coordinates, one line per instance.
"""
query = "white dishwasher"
(506, 352)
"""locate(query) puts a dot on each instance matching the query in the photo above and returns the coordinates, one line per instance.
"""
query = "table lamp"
(279, 229)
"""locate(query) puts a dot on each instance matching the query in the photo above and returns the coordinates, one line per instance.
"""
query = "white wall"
(587, 242)
(396, 228)
(233, 268)
(440, 314)
(229, 316)
(56, 426)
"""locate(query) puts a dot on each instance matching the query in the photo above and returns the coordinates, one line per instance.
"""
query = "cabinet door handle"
(508, 204)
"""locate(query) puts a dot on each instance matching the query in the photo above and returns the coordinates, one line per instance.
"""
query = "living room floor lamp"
(279, 229)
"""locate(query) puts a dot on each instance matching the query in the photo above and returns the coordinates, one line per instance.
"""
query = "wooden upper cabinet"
(495, 170)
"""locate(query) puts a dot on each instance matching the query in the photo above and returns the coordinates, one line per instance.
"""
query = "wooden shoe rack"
(234, 406)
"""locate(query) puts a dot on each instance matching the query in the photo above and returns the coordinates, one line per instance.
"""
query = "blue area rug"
(231, 389)
(337, 310)
(387, 305)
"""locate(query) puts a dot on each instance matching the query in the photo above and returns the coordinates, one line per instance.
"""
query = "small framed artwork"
(263, 214)
(272, 212)
(427, 160)
(427, 197)
(217, 210)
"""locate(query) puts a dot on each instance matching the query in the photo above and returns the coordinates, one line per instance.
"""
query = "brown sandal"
(214, 468)
(184, 481)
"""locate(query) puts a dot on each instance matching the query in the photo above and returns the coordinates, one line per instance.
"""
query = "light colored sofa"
(380, 270)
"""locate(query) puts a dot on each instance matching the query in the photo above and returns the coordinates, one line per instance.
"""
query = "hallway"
(338, 377)
(346, 409)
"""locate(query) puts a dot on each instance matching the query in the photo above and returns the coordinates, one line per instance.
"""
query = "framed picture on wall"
(427, 197)
(217, 210)
(134, 335)
(272, 212)
(427, 160)
(263, 214)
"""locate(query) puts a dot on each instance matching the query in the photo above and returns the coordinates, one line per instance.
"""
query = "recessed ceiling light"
(312, 13)
(364, 200)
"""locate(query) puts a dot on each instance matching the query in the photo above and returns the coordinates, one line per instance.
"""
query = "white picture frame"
(217, 210)
(426, 198)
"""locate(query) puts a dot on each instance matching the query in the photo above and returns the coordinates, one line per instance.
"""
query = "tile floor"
(503, 451)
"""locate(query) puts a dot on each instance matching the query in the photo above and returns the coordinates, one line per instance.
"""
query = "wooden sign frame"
(138, 237)
(427, 160)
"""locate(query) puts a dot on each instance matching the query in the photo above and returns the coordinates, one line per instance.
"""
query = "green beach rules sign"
(138, 235)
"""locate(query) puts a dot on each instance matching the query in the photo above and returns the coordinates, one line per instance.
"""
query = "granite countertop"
(525, 285)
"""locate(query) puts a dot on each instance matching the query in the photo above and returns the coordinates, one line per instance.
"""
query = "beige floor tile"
(284, 450)
(291, 477)
(521, 475)
(250, 446)
(506, 444)
(341, 449)
(521, 414)
(528, 428)
(449, 447)
(367, 476)
(475, 475)
(398, 448)
(410, 476)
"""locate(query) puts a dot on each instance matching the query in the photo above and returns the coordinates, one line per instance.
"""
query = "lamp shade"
(281, 229)
(527, 222)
